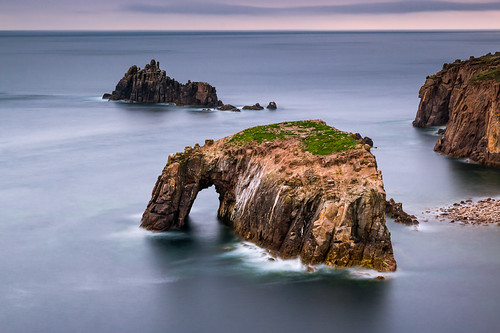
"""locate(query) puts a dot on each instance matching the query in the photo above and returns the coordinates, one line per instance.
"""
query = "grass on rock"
(315, 137)
(491, 74)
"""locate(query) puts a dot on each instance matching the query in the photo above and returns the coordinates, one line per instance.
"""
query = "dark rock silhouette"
(272, 106)
(366, 140)
(228, 107)
(395, 210)
(256, 106)
(152, 85)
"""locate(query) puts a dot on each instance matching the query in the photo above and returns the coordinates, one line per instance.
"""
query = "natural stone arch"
(325, 209)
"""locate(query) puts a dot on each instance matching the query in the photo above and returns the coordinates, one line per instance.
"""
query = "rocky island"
(465, 96)
(296, 188)
(152, 85)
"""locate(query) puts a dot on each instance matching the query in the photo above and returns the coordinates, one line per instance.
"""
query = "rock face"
(152, 85)
(296, 188)
(465, 96)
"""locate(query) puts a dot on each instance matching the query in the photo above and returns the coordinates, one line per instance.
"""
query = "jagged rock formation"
(296, 188)
(395, 210)
(152, 85)
(365, 140)
(465, 96)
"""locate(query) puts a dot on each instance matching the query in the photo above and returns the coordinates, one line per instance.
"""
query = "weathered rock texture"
(324, 208)
(465, 96)
(395, 210)
(152, 85)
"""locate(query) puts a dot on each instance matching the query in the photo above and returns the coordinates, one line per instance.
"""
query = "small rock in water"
(256, 106)
(272, 106)
(228, 107)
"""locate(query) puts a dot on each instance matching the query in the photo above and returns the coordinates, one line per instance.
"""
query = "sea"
(77, 171)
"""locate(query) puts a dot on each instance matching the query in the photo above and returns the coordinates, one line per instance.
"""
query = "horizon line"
(250, 30)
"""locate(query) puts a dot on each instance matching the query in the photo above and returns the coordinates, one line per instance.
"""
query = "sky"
(249, 14)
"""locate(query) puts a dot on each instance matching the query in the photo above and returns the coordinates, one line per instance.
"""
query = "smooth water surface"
(76, 173)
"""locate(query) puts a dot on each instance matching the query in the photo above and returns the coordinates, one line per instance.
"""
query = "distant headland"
(465, 96)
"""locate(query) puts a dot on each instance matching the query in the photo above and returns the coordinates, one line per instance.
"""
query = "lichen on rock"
(296, 188)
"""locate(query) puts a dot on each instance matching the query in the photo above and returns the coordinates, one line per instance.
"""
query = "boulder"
(366, 140)
(272, 106)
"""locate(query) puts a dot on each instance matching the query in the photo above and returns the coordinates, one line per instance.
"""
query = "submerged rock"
(152, 85)
(465, 96)
(296, 188)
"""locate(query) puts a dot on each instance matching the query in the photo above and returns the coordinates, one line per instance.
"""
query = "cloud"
(399, 7)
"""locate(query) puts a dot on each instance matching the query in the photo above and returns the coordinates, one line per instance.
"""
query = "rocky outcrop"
(465, 96)
(366, 140)
(228, 107)
(395, 211)
(296, 188)
(152, 85)
(256, 106)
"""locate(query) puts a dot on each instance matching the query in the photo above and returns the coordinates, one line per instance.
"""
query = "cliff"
(296, 188)
(465, 96)
(152, 85)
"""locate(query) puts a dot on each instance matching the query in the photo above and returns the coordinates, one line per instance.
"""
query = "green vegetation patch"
(491, 74)
(316, 137)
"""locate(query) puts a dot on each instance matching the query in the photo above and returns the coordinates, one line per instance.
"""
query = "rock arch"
(325, 209)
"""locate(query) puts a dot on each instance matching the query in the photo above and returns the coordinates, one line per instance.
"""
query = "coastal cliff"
(296, 188)
(152, 85)
(465, 96)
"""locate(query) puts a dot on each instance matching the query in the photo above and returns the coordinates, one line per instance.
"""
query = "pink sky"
(248, 15)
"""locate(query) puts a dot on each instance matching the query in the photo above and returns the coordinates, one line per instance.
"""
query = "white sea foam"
(130, 232)
(260, 260)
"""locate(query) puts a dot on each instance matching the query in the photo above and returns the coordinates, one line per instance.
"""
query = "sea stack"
(152, 85)
(295, 188)
(465, 96)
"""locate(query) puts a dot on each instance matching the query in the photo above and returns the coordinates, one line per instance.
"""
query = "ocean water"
(76, 173)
